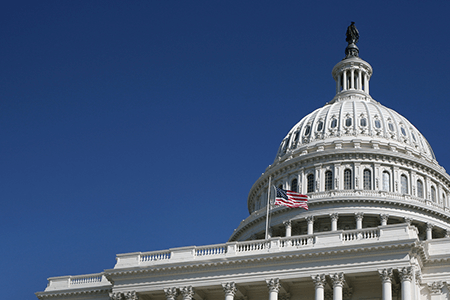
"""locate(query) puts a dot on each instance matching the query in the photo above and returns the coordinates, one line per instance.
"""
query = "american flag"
(291, 199)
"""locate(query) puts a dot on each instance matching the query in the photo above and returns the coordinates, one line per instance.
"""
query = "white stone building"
(377, 227)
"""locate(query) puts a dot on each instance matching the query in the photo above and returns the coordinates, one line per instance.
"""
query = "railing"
(214, 250)
(252, 246)
(85, 279)
(154, 256)
(362, 234)
(295, 241)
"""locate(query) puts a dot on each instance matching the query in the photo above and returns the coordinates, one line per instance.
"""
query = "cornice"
(265, 258)
(72, 292)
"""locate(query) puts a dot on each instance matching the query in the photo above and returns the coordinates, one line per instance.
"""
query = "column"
(274, 287)
(171, 293)
(338, 283)
(384, 218)
(430, 231)
(345, 81)
(360, 79)
(386, 281)
(359, 218)
(288, 226)
(366, 84)
(334, 219)
(352, 79)
(230, 290)
(338, 84)
(319, 283)
(310, 221)
(187, 292)
(405, 275)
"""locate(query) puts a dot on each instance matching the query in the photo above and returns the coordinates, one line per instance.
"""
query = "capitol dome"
(354, 158)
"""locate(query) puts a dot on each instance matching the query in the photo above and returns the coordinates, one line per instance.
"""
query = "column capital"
(116, 296)
(319, 280)
(359, 215)
(435, 287)
(384, 217)
(273, 284)
(337, 279)
(334, 216)
(408, 221)
(309, 219)
(187, 292)
(171, 293)
(229, 288)
(405, 273)
(287, 223)
(430, 226)
(385, 275)
(131, 295)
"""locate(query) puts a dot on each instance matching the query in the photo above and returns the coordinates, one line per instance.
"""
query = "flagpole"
(267, 207)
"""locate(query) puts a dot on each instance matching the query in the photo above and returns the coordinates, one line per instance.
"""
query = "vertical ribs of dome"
(352, 75)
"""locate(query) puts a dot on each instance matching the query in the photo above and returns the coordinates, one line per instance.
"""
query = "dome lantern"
(352, 74)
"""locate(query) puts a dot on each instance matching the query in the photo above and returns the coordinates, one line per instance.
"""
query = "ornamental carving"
(310, 219)
(334, 217)
(405, 273)
(384, 218)
(116, 296)
(436, 287)
(319, 280)
(171, 293)
(359, 216)
(229, 288)
(273, 284)
(131, 295)
(385, 275)
(337, 279)
(187, 292)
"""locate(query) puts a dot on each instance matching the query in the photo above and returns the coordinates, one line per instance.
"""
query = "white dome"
(355, 117)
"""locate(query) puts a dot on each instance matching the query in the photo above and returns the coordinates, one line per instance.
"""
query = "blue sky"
(142, 125)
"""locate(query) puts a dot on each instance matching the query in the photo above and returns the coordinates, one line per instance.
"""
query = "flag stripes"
(291, 199)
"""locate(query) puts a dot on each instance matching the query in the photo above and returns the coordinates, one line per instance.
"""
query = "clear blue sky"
(141, 125)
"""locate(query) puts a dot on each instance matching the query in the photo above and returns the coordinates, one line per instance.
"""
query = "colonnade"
(334, 217)
(336, 281)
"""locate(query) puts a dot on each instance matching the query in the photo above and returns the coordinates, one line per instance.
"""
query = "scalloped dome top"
(354, 115)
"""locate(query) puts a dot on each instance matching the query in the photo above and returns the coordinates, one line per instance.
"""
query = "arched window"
(328, 180)
(386, 181)
(347, 179)
(404, 184)
(310, 183)
(419, 189)
(333, 123)
(294, 185)
(433, 194)
(367, 179)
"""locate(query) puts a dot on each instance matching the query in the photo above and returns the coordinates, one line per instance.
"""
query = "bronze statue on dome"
(352, 37)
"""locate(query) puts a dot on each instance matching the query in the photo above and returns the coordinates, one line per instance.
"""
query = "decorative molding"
(436, 287)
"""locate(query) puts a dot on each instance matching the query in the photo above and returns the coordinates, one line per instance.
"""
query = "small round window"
(377, 124)
(363, 122)
(391, 126)
(320, 126)
(348, 122)
(307, 130)
(403, 131)
(333, 123)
